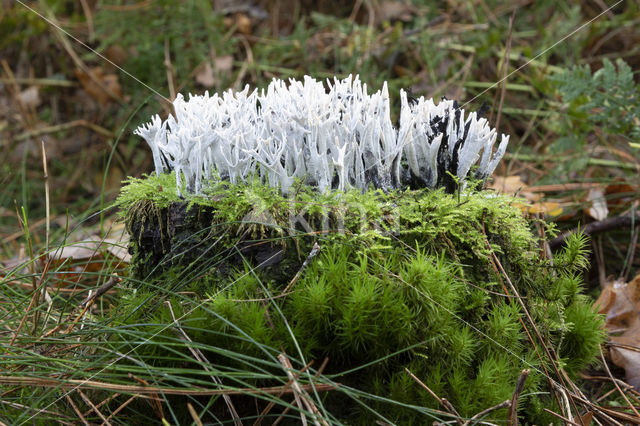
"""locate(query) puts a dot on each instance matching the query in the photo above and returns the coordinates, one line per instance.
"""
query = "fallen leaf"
(116, 54)
(243, 23)
(223, 64)
(209, 76)
(620, 302)
(102, 87)
(598, 209)
(513, 185)
(31, 97)
(394, 11)
(204, 75)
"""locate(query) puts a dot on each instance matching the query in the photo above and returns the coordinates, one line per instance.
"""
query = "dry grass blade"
(75, 408)
(272, 404)
(93, 407)
(194, 414)
(150, 390)
(301, 393)
(197, 353)
(615, 383)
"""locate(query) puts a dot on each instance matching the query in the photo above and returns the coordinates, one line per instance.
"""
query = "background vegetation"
(76, 77)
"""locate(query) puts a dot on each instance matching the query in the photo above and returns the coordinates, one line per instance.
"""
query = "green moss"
(404, 280)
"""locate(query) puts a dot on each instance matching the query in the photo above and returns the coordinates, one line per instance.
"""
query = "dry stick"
(65, 126)
(314, 252)
(631, 253)
(104, 401)
(560, 416)
(194, 414)
(34, 298)
(443, 401)
(296, 395)
(272, 404)
(315, 376)
(550, 353)
(47, 228)
(46, 196)
(93, 407)
(624, 395)
(89, 17)
(513, 409)
(146, 390)
(170, 70)
(197, 354)
(505, 67)
(524, 326)
(122, 407)
(112, 281)
(82, 419)
(489, 410)
(598, 227)
(156, 401)
(318, 419)
(27, 113)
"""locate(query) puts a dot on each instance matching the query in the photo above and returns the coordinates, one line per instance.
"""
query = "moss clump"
(404, 280)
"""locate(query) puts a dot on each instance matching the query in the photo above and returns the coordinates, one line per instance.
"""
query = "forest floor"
(77, 77)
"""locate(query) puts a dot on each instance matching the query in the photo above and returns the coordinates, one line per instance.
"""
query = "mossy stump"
(414, 279)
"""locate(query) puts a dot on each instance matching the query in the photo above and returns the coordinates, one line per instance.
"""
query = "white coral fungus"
(335, 139)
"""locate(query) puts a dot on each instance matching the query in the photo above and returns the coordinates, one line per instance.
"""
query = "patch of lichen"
(404, 279)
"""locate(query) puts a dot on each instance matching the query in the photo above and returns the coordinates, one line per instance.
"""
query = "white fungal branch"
(338, 138)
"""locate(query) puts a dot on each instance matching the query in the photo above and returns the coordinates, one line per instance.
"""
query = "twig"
(103, 402)
(75, 408)
(46, 197)
(314, 252)
(301, 392)
(483, 413)
(443, 401)
(561, 417)
(156, 401)
(93, 407)
(122, 407)
(34, 299)
(286, 410)
(194, 414)
(598, 227)
(272, 404)
(624, 395)
(64, 126)
(631, 252)
(197, 353)
(86, 304)
(513, 409)
(505, 70)
(170, 69)
(146, 390)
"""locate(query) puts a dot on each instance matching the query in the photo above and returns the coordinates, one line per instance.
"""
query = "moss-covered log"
(404, 280)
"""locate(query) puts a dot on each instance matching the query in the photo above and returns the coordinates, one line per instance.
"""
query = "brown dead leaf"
(513, 185)
(116, 54)
(598, 209)
(243, 23)
(394, 11)
(101, 86)
(620, 302)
